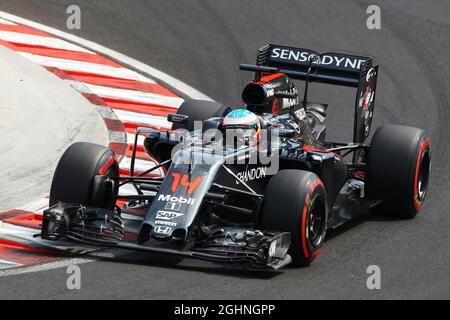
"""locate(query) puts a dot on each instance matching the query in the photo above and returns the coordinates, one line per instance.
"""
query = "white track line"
(86, 67)
(19, 234)
(37, 206)
(5, 264)
(44, 267)
(143, 119)
(117, 137)
(128, 189)
(135, 96)
(131, 137)
(142, 67)
(35, 40)
(2, 21)
(139, 165)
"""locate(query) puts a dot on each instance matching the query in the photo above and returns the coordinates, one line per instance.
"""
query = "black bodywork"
(210, 209)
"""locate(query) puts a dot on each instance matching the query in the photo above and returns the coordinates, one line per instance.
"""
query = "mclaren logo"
(370, 74)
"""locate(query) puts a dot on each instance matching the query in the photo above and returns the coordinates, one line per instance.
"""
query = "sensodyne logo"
(252, 174)
(168, 215)
(326, 59)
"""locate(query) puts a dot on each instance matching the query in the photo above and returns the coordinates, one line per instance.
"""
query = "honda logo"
(163, 230)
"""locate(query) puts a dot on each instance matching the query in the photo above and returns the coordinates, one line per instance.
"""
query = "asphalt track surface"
(202, 43)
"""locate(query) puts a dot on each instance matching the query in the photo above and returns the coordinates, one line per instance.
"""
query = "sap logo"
(163, 230)
(182, 200)
(168, 215)
(252, 174)
(166, 223)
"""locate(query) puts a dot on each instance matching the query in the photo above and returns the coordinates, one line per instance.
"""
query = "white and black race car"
(259, 202)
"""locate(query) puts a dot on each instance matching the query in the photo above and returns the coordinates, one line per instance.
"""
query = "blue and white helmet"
(244, 124)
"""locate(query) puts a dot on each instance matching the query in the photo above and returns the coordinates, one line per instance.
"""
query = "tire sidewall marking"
(313, 184)
(424, 147)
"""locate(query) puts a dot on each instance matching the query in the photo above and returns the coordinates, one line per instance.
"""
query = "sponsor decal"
(368, 98)
(275, 110)
(168, 215)
(183, 180)
(252, 174)
(163, 230)
(173, 206)
(166, 223)
(270, 93)
(300, 113)
(370, 74)
(366, 102)
(286, 54)
(181, 200)
(303, 56)
(287, 103)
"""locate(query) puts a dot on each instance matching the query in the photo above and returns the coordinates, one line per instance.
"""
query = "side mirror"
(177, 118)
(210, 128)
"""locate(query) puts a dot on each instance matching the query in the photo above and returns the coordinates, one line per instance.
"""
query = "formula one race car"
(257, 186)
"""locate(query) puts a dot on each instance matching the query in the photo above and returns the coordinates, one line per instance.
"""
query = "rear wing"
(330, 68)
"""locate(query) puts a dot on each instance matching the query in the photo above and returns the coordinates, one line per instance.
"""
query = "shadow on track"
(169, 262)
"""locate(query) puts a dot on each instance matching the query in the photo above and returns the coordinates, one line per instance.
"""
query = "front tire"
(83, 176)
(399, 162)
(295, 201)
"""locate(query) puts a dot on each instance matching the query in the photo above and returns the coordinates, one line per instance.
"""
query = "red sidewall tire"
(399, 162)
(424, 151)
(316, 191)
(293, 200)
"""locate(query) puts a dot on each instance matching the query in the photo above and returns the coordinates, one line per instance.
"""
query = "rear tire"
(295, 201)
(199, 110)
(83, 177)
(399, 162)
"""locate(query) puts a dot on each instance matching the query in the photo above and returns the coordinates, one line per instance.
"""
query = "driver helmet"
(243, 124)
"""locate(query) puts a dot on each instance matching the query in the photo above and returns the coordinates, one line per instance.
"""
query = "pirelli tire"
(399, 164)
(199, 110)
(84, 176)
(295, 201)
